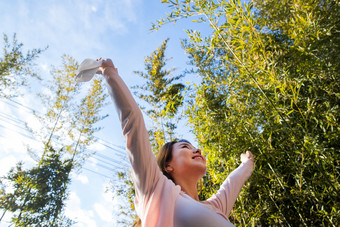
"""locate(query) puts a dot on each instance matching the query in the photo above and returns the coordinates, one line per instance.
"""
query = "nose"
(198, 151)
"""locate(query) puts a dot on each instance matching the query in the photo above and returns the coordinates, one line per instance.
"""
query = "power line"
(15, 124)
(111, 159)
(104, 163)
(99, 164)
(112, 148)
(100, 174)
(11, 118)
(27, 136)
(120, 147)
(105, 167)
(33, 110)
(20, 104)
(115, 163)
(119, 150)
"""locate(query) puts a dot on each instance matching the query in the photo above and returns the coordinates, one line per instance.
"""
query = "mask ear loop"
(100, 61)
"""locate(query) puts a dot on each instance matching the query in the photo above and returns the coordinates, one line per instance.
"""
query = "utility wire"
(11, 118)
(105, 143)
(95, 172)
(115, 163)
(7, 101)
(109, 162)
(27, 136)
(106, 163)
(119, 150)
(18, 125)
(111, 159)
(120, 147)
(87, 169)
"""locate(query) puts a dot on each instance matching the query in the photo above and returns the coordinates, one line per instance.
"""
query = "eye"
(185, 146)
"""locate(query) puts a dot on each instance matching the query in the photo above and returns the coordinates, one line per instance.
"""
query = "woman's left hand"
(246, 156)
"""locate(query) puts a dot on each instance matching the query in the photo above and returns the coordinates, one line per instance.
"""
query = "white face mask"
(87, 69)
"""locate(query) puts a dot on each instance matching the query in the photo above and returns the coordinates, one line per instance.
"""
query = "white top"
(191, 213)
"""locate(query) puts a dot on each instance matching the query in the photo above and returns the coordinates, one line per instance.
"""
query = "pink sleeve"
(143, 161)
(226, 196)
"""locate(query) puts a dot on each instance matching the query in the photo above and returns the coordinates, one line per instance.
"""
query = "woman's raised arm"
(143, 161)
(226, 196)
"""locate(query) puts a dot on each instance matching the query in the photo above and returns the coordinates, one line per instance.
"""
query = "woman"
(169, 197)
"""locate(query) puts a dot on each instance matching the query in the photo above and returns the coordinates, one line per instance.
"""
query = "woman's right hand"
(106, 63)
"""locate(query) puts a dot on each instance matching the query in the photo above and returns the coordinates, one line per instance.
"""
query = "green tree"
(162, 94)
(15, 67)
(269, 74)
(70, 120)
(41, 188)
(68, 126)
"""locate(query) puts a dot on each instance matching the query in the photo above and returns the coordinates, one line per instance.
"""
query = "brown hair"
(163, 157)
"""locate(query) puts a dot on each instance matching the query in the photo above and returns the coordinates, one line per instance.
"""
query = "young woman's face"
(186, 159)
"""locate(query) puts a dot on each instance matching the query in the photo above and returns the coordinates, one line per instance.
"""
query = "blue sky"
(116, 29)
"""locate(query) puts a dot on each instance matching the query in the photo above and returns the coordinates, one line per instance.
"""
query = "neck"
(189, 187)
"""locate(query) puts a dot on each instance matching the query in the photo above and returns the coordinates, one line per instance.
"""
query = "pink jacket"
(155, 194)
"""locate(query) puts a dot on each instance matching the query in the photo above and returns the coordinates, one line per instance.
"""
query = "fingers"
(246, 156)
(107, 63)
(250, 156)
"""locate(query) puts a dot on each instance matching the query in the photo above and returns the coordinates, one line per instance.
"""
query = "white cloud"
(84, 218)
(44, 67)
(99, 213)
(13, 132)
(104, 208)
(7, 163)
(80, 177)
(94, 9)
(15, 136)
(103, 212)
(97, 147)
(70, 24)
(93, 163)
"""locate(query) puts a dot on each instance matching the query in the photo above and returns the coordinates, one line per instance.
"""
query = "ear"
(169, 168)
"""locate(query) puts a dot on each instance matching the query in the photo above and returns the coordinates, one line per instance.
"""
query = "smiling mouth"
(198, 157)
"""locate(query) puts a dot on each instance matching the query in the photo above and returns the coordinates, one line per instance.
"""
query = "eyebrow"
(185, 143)
(184, 140)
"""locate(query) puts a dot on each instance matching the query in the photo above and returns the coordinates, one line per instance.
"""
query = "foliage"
(67, 126)
(69, 121)
(163, 96)
(124, 190)
(41, 189)
(15, 67)
(269, 74)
